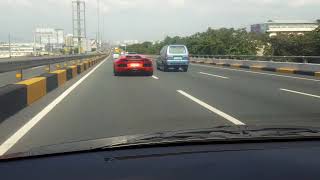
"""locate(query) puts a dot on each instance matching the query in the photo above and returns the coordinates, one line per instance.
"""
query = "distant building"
(49, 39)
(16, 49)
(126, 42)
(274, 27)
(68, 40)
(93, 44)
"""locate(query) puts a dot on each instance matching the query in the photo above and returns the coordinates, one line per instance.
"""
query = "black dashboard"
(272, 160)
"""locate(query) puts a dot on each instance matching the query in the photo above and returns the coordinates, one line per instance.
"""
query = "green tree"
(231, 41)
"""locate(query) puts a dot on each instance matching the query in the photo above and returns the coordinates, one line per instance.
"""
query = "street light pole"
(98, 13)
(9, 37)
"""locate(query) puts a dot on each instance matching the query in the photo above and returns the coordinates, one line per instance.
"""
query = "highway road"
(99, 105)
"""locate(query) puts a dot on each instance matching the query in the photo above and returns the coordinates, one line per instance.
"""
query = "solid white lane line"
(214, 75)
(11, 141)
(212, 109)
(155, 77)
(302, 93)
(262, 73)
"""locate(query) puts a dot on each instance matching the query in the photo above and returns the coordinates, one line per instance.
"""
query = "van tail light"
(186, 58)
(169, 58)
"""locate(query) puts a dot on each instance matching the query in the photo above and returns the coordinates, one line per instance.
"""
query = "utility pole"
(34, 44)
(102, 34)
(9, 37)
(49, 45)
(98, 12)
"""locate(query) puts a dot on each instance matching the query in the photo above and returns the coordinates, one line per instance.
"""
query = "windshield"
(159, 71)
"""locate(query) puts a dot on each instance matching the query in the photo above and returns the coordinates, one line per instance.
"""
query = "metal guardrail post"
(21, 72)
(19, 75)
(304, 60)
(48, 68)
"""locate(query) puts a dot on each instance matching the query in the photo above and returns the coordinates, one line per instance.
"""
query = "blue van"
(173, 57)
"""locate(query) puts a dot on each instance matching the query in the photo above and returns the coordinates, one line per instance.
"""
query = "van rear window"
(177, 50)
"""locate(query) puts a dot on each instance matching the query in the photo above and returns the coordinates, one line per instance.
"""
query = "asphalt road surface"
(99, 105)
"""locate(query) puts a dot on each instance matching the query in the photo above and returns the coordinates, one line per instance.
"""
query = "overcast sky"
(149, 19)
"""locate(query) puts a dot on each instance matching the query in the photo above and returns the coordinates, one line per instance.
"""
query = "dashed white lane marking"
(155, 77)
(212, 109)
(213, 75)
(301, 93)
(12, 140)
(253, 72)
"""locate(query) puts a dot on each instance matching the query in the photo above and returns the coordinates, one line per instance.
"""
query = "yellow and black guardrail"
(15, 97)
(286, 70)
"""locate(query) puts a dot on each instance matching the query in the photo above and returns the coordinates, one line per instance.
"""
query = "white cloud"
(288, 3)
(300, 3)
(176, 3)
(156, 18)
(20, 3)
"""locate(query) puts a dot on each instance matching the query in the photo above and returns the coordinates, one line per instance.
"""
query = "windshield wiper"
(222, 133)
(219, 134)
(285, 131)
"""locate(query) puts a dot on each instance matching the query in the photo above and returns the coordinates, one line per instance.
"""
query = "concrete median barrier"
(281, 67)
(13, 98)
(51, 81)
(69, 73)
(36, 88)
(80, 68)
(86, 65)
(286, 70)
(220, 64)
(269, 69)
(235, 65)
(245, 66)
(62, 76)
(74, 71)
(256, 68)
(308, 73)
